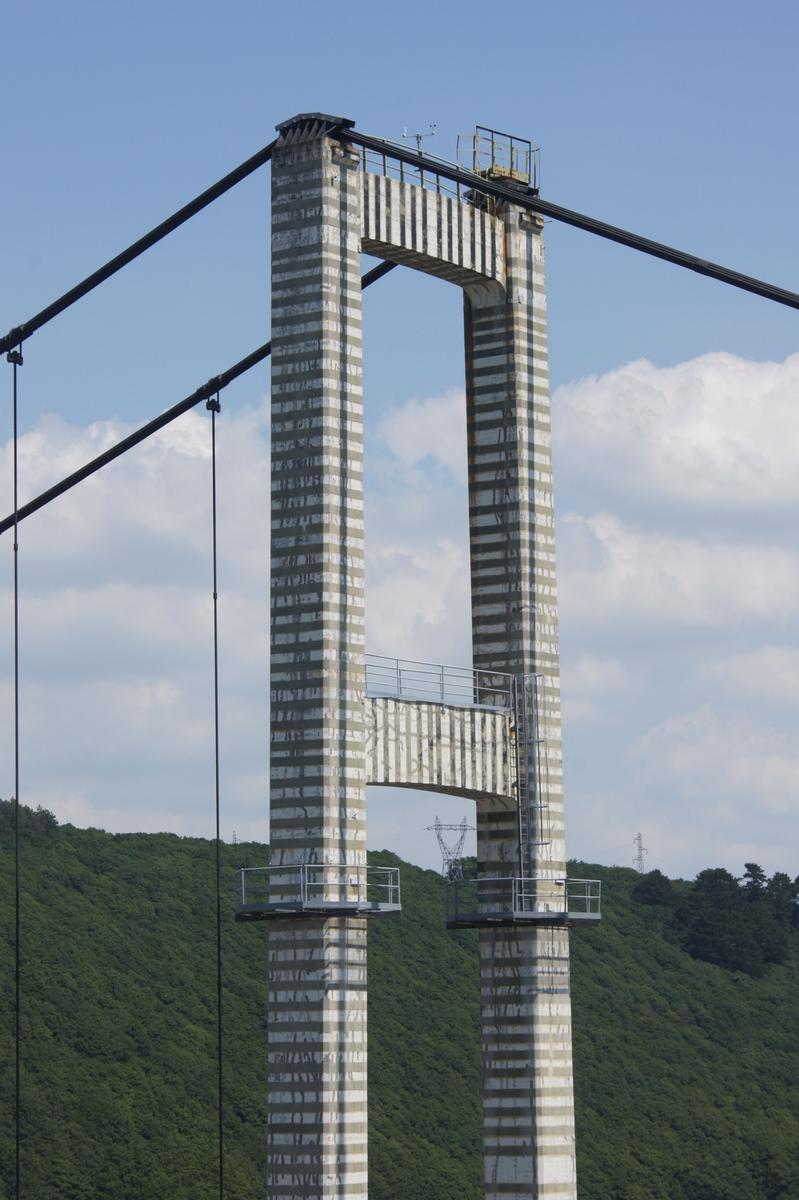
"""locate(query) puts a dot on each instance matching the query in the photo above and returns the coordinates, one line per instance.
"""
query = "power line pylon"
(451, 848)
(638, 861)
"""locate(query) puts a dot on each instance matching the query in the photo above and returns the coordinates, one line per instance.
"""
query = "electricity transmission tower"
(451, 847)
(638, 861)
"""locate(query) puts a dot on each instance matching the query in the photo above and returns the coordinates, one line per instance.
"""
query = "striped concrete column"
(526, 1010)
(317, 967)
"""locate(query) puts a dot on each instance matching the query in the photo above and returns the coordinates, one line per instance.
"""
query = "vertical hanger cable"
(214, 407)
(15, 358)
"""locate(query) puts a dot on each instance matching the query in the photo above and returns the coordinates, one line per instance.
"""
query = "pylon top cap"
(324, 121)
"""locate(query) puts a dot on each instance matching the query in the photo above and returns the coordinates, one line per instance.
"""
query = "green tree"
(119, 1021)
(754, 881)
(783, 892)
(715, 927)
(654, 888)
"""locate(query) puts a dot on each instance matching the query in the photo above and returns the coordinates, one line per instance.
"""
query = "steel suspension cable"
(15, 358)
(127, 256)
(533, 202)
(428, 162)
(209, 389)
(214, 407)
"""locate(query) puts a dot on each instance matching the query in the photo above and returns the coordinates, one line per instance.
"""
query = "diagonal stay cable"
(209, 389)
(16, 335)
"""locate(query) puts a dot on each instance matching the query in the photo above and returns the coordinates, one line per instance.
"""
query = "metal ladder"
(532, 771)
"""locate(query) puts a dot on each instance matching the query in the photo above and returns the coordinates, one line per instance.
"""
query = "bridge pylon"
(341, 719)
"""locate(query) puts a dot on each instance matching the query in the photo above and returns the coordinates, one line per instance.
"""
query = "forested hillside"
(687, 1070)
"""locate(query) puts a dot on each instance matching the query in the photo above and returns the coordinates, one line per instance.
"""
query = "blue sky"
(676, 121)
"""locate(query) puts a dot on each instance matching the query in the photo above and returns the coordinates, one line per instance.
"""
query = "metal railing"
(500, 155)
(486, 153)
(531, 749)
(437, 683)
(317, 885)
(581, 896)
(377, 163)
(513, 897)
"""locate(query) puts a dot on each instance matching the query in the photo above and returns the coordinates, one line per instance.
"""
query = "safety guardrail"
(498, 155)
(437, 683)
(583, 896)
(510, 899)
(320, 885)
(383, 163)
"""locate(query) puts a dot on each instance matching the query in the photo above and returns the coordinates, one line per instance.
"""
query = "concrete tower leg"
(317, 1127)
(526, 1010)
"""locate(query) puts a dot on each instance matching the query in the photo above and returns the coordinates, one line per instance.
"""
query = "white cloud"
(116, 614)
(705, 788)
(588, 682)
(417, 554)
(730, 762)
(615, 575)
(116, 624)
(592, 675)
(116, 620)
(665, 556)
(430, 428)
(770, 672)
(717, 432)
(417, 602)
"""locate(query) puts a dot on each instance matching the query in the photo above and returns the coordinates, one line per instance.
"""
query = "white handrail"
(518, 894)
(321, 883)
(414, 680)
